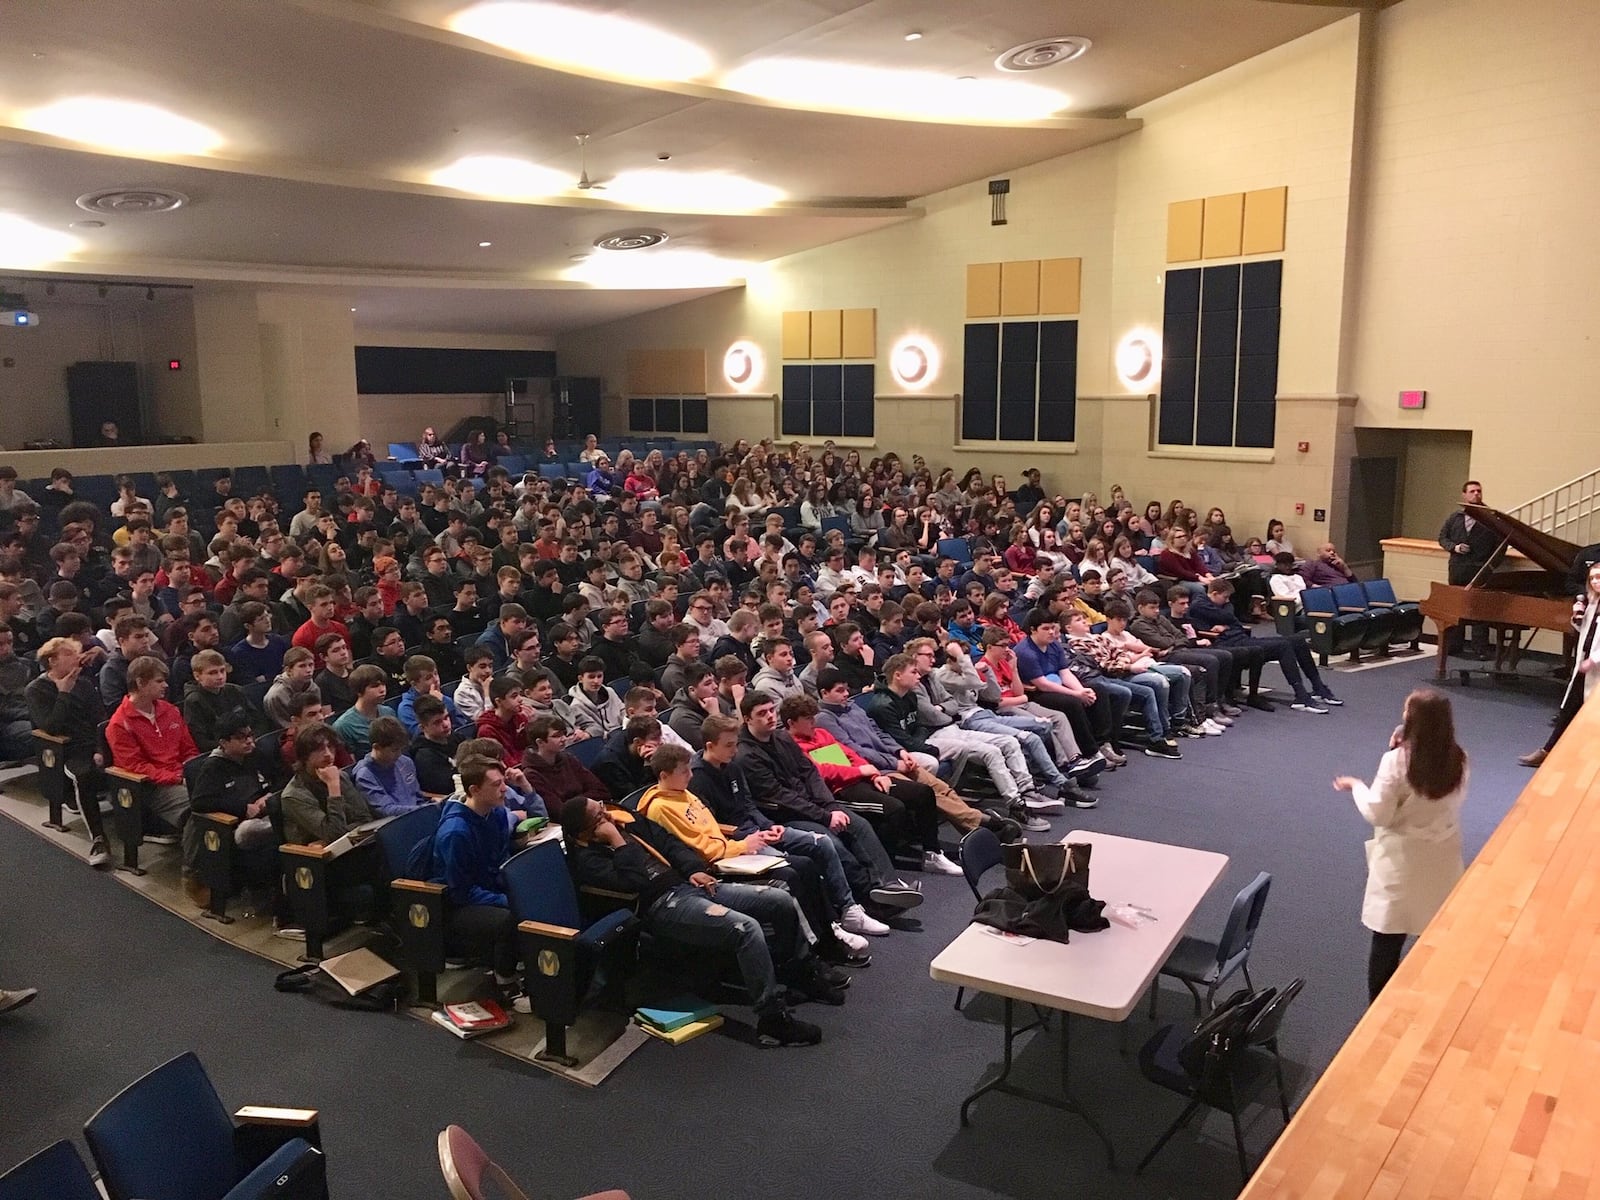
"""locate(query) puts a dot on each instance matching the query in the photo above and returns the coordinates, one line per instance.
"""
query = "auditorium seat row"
(1351, 618)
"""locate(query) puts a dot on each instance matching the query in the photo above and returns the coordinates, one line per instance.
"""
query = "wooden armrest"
(49, 737)
(418, 885)
(304, 852)
(219, 818)
(436, 796)
(128, 776)
(295, 1118)
(563, 932)
(590, 890)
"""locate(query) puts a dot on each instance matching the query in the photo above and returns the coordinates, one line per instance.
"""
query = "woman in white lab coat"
(1585, 619)
(1414, 807)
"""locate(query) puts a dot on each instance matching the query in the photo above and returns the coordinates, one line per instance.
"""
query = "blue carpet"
(870, 1113)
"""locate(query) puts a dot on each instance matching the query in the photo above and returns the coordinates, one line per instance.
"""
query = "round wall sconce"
(742, 364)
(1138, 355)
(914, 362)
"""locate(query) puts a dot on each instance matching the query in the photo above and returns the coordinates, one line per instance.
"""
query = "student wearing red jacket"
(147, 736)
(890, 800)
(557, 776)
(504, 720)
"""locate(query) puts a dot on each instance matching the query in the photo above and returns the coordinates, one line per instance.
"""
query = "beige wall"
(37, 464)
(308, 367)
(385, 419)
(1282, 119)
(1479, 234)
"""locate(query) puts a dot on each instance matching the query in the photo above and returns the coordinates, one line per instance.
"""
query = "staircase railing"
(1570, 511)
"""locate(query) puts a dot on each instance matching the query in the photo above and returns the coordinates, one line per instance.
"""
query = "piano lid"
(1549, 551)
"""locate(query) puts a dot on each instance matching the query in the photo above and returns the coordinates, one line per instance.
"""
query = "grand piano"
(1508, 601)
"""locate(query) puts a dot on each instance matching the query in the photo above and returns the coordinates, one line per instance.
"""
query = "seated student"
(743, 626)
(299, 665)
(596, 709)
(229, 780)
(370, 614)
(540, 699)
(653, 644)
(1214, 619)
(321, 803)
(1172, 644)
(788, 788)
(624, 764)
(386, 774)
(964, 629)
(853, 658)
(134, 638)
(695, 701)
(1285, 581)
(889, 638)
(469, 847)
(433, 750)
(777, 675)
(819, 649)
(440, 646)
(1069, 728)
(721, 784)
(471, 697)
(257, 657)
(504, 720)
(422, 679)
(646, 702)
(389, 656)
(512, 617)
(333, 680)
(64, 700)
(209, 697)
(309, 713)
(566, 654)
(370, 688)
(686, 647)
(1184, 688)
(1153, 692)
(147, 736)
(905, 808)
(553, 773)
(678, 901)
(321, 604)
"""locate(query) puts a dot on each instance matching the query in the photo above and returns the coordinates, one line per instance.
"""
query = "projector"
(19, 318)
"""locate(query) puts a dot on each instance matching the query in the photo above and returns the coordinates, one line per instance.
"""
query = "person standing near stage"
(1414, 806)
(1585, 670)
(1471, 545)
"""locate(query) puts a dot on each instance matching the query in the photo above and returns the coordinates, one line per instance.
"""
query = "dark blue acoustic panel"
(669, 415)
(1183, 291)
(858, 420)
(1258, 331)
(796, 418)
(796, 383)
(1255, 425)
(1213, 425)
(1180, 335)
(982, 344)
(695, 417)
(1219, 288)
(980, 418)
(1215, 381)
(1017, 420)
(641, 415)
(980, 390)
(827, 401)
(1219, 333)
(1258, 379)
(1058, 420)
(1175, 426)
(1058, 341)
(1058, 382)
(1262, 285)
(1019, 342)
(859, 384)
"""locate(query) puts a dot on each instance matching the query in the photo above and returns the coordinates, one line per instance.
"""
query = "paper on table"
(1016, 939)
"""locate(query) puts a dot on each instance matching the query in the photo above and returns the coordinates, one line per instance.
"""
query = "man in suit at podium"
(1471, 545)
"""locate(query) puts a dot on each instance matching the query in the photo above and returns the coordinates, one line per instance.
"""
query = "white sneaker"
(851, 942)
(1211, 729)
(855, 920)
(935, 861)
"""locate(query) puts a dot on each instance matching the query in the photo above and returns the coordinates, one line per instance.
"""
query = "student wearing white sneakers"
(1182, 680)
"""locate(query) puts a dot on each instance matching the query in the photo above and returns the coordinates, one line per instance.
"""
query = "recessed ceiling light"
(122, 125)
(1043, 52)
(603, 43)
(501, 176)
(716, 191)
(132, 201)
(913, 36)
(630, 239)
(484, 245)
(87, 225)
(24, 244)
(886, 92)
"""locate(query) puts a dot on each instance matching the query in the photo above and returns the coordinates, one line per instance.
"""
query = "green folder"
(833, 754)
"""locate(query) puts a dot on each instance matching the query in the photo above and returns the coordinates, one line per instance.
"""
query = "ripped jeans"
(732, 919)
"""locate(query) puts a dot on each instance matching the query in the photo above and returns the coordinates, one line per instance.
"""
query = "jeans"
(1010, 777)
(16, 741)
(1029, 732)
(732, 919)
(866, 863)
(1215, 664)
(819, 850)
(1149, 690)
(477, 932)
(1069, 735)
(1178, 681)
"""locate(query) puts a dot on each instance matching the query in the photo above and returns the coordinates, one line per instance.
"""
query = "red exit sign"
(1413, 399)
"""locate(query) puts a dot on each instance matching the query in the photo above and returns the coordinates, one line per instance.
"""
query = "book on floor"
(358, 970)
(675, 1014)
(476, 1016)
(684, 1033)
(445, 1022)
(748, 864)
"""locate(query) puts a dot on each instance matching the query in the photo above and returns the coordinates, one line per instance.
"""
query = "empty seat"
(403, 451)
(1352, 599)
(1332, 632)
(1407, 613)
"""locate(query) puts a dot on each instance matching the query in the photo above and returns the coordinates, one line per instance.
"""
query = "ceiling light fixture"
(743, 365)
(887, 92)
(574, 38)
(501, 177)
(122, 125)
(630, 239)
(1043, 52)
(25, 245)
(692, 191)
(659, 269)
(914, 362)
(484, 245)
(125, 202)
(913, 36)
(1137, 357)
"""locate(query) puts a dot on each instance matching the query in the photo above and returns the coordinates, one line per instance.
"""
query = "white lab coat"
(1591, 679)
(1414, 857)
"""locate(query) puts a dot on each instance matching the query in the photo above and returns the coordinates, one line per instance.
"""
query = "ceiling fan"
(585, 184)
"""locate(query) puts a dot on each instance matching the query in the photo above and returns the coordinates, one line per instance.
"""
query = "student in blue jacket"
(471, 844)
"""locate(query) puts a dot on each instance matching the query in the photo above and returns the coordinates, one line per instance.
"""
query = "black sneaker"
(1080, 799)
(1027, 820)
(843, 956)
(783, 1028)
(1162, 749)
(1326, 698)
(1003, 828)
(1086, 766)
(99, 853)
(1308, 704)
(896, 893)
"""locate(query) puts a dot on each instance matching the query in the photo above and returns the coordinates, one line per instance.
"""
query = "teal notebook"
(681, 1011)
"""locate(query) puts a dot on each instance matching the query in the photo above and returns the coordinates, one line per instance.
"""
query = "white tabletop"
(1101, 975)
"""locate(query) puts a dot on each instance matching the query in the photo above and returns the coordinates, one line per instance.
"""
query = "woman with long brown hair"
(1414, 806)
(1584, 678)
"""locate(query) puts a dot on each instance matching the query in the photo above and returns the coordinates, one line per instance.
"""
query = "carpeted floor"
(870, 1113)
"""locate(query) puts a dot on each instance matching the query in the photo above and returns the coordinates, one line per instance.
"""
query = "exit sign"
(1413, 399)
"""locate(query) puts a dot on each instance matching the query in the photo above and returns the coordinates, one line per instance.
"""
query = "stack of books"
(679, 1021)
(473, 1019)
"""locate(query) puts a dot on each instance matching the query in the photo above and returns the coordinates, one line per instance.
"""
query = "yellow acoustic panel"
(826, 341)
(1060, 281)
(1264, 216)
(649, 372)
(983, 290)
(1019, 288)
(796, 335)
(1185, 221)
(1224, 226)
(687, 372)
(860, 333)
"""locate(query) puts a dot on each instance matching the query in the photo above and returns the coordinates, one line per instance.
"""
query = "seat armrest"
(217, 818)
(608, 894)
(127, 776)
(286, 1118)
(305, 852)
(56, 739)
(564, 932)
(417, 885)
